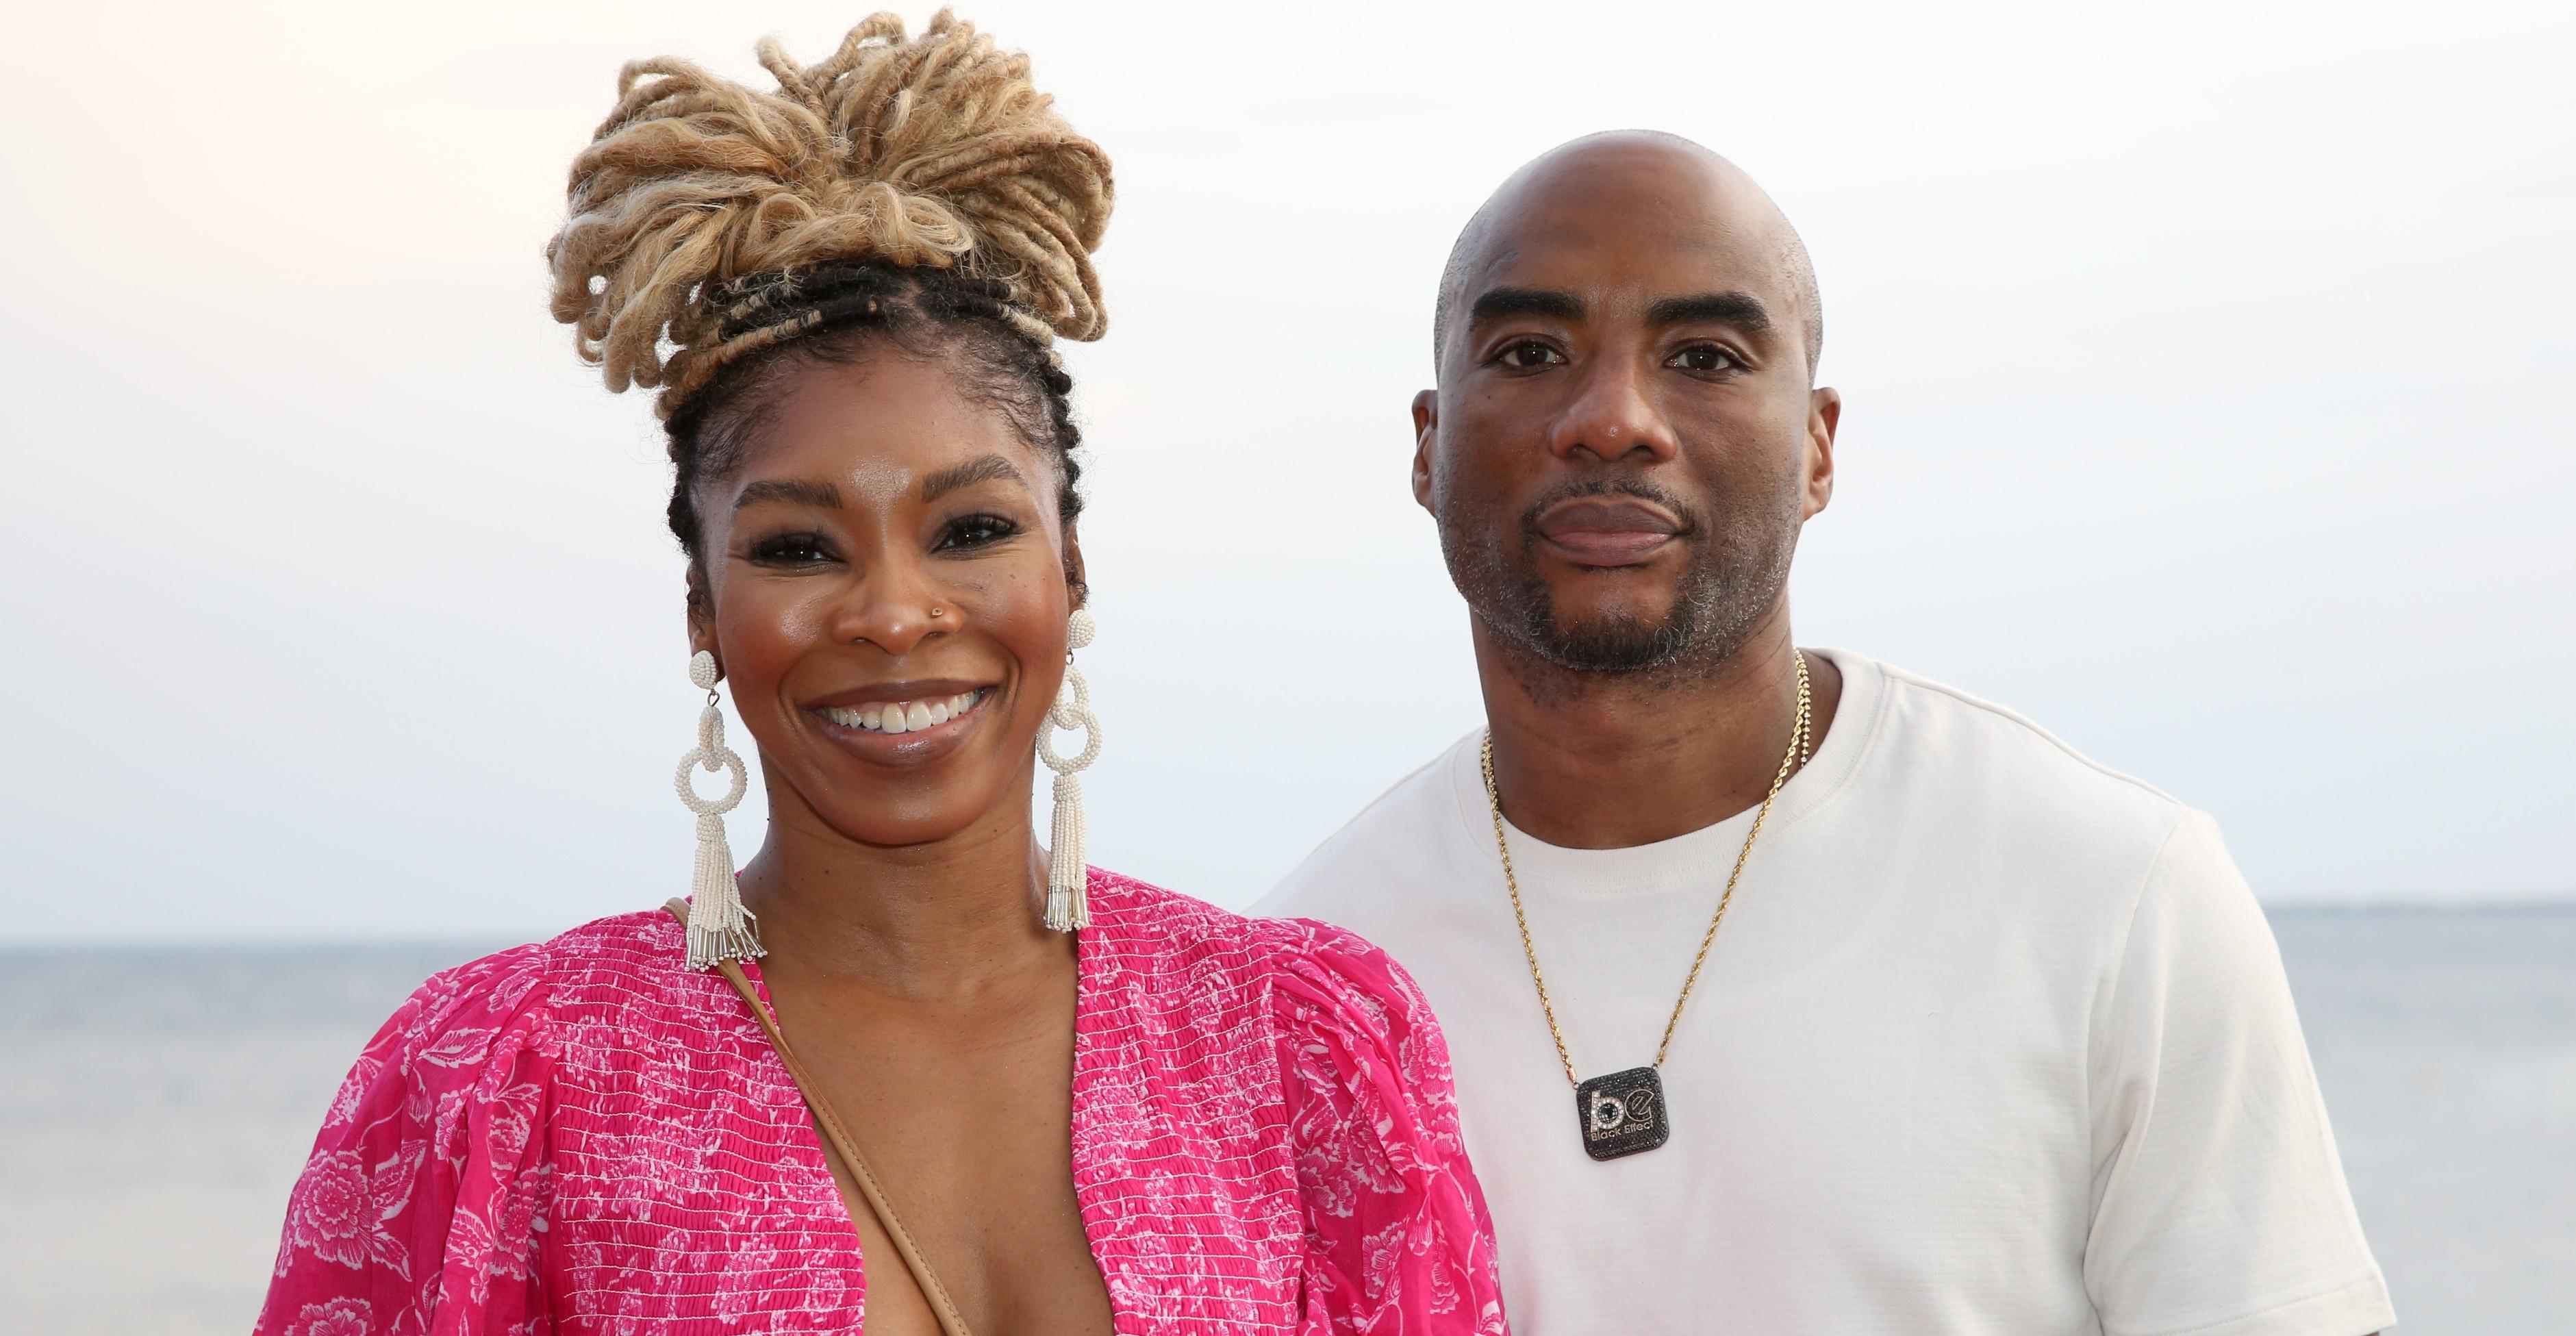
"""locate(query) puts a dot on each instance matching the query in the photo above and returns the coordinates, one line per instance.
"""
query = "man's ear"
(1824, 415)
(1077, 590)
(1426, 436)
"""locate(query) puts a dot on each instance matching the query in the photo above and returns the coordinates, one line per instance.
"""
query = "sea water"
(155, 1106)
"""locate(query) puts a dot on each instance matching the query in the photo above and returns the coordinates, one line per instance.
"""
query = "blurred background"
(2203, 369)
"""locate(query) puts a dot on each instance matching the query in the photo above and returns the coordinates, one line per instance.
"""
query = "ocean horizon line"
(501, 937)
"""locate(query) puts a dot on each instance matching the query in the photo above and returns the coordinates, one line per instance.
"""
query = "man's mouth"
(910, 715)
(1608, 530)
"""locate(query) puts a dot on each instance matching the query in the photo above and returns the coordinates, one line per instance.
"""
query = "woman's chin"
(899, 823)
(906, 805)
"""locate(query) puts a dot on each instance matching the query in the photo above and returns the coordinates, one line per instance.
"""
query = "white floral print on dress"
(585, 1135)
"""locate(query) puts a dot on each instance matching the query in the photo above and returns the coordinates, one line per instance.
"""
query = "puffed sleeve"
(1397, 1237)
(2219, 1203)
(423, 1207)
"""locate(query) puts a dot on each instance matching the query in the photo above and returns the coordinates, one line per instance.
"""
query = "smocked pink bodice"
(585, 1136)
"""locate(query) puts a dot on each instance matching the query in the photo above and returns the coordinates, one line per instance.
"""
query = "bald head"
(1620, 187)
(1626, 437)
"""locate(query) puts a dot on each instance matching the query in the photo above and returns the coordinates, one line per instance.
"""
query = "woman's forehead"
(886, 426)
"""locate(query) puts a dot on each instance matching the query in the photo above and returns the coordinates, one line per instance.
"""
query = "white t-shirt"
(1993, 1041)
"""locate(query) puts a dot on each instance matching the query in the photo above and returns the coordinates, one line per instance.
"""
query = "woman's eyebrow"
(990, 468)
(794, 491)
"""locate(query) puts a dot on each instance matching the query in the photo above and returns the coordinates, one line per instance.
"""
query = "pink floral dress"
(584, 1135)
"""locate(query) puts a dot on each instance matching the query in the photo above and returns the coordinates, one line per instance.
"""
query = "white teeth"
(903, 716)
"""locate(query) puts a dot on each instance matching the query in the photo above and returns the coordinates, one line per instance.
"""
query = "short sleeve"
(1398, 1240)
(424, 1204)
(2219, 1204)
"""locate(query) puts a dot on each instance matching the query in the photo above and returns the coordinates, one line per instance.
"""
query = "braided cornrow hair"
(915, 191)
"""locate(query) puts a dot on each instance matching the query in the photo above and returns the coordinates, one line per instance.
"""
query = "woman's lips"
(1596, 532)
(907, 728)
(903, 716)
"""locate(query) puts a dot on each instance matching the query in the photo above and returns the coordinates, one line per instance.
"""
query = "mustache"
(1640, 488)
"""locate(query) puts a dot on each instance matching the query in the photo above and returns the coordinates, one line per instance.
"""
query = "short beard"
(1735, 578)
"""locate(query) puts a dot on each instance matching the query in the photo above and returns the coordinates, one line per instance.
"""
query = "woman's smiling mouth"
(911, 714)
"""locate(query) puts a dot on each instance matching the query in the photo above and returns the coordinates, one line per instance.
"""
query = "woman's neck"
(924, 922)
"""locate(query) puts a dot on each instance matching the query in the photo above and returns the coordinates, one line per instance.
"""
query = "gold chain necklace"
(1624, 1113)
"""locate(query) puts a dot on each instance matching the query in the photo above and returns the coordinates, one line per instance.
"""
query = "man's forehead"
(1614, 272)
(1637, 219)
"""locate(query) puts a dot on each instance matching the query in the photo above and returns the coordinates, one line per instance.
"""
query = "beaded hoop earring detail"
(1068, 902)
(720, 928)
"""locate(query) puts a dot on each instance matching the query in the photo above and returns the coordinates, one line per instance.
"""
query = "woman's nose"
(892, 609)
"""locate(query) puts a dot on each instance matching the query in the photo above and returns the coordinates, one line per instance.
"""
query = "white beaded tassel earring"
(1068, 902)
(719, 927)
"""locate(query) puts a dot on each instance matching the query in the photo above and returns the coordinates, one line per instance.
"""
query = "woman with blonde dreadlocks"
(863, 1085)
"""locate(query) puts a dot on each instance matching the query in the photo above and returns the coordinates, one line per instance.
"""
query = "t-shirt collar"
(1685, 859)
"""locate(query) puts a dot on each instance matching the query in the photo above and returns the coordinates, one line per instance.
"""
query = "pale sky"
(2203, 368)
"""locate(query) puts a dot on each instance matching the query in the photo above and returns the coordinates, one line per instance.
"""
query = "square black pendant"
(1622, 1113)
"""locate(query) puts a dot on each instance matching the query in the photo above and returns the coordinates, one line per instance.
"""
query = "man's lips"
(1608, 531)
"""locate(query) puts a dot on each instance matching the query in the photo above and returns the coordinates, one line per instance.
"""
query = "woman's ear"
(1077, 591)
(702, 621)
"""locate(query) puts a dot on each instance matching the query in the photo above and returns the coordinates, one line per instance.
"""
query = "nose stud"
(936, 611)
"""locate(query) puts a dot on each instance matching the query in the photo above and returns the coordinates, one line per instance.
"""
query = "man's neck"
(1610, 760)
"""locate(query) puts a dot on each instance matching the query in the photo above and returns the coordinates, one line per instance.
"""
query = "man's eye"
(790, 549)
(1703, 357)
(1529, 353)
(972, 531)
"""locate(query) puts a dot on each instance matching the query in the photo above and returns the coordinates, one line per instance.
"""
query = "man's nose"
(1613, 416)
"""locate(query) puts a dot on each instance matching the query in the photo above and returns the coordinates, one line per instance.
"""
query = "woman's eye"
(974, 531)
(1703, 357)
(1529, 353)
(790, 549)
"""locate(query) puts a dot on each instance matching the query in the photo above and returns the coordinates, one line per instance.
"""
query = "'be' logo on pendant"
(1622, 1113)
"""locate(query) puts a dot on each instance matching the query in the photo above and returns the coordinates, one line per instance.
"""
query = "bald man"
(1985, 1038)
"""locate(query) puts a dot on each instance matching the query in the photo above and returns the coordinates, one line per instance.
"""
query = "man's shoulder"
(1936, 713)
(1992, 762)
(1394, 836)
(1974, 767)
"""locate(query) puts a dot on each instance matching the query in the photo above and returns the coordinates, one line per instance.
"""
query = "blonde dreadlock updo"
(918, 190)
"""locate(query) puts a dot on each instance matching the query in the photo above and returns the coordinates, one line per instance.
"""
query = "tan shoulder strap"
(838, 1137)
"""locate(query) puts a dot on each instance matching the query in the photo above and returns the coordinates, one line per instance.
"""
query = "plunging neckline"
(1085, 1193)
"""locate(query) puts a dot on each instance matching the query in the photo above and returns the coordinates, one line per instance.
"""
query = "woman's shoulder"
(461, 1017)
(1363, 1070)
(430, 1150)
(640, 950)
(1293, 961)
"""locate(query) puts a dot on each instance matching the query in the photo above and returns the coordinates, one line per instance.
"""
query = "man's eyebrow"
(1502, 303)
(990, 468)
(793, 491)
(1728, 308)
